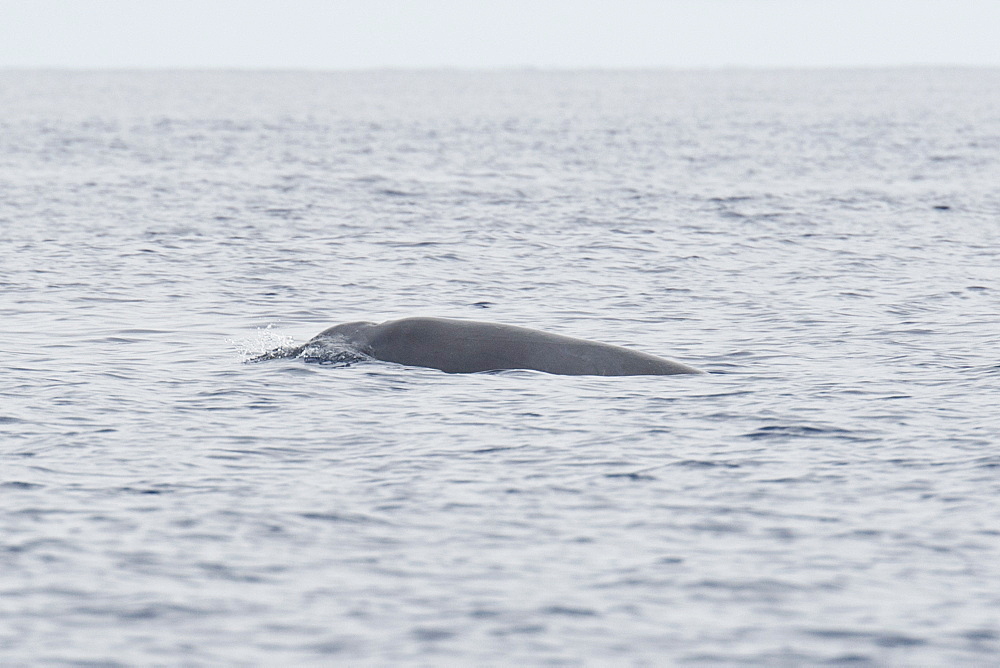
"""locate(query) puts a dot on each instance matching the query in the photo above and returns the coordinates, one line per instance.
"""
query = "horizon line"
(487, 68)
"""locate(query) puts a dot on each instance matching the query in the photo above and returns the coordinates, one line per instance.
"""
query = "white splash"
(265, 339)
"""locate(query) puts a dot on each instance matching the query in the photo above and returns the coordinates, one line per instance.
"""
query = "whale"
(469, 346)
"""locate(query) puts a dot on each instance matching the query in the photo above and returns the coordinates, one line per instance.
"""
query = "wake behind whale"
(468, 346)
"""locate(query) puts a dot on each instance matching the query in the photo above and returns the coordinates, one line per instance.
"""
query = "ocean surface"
(825, 244)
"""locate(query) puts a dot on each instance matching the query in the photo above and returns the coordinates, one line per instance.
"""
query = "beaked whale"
(468, 346)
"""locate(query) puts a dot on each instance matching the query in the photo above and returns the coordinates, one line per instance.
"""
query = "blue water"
(825, 244)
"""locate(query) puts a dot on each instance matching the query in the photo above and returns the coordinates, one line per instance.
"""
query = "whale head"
(349, 333)
(341, 345)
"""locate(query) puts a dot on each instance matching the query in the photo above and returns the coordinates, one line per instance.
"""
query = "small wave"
(337, 358)
(281, 352)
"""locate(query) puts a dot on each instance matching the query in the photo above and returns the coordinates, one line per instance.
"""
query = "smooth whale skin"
(467, 346)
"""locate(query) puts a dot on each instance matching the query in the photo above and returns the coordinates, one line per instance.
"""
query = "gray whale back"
(468, 346)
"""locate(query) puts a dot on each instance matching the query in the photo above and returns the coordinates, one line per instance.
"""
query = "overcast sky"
(349, 34)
